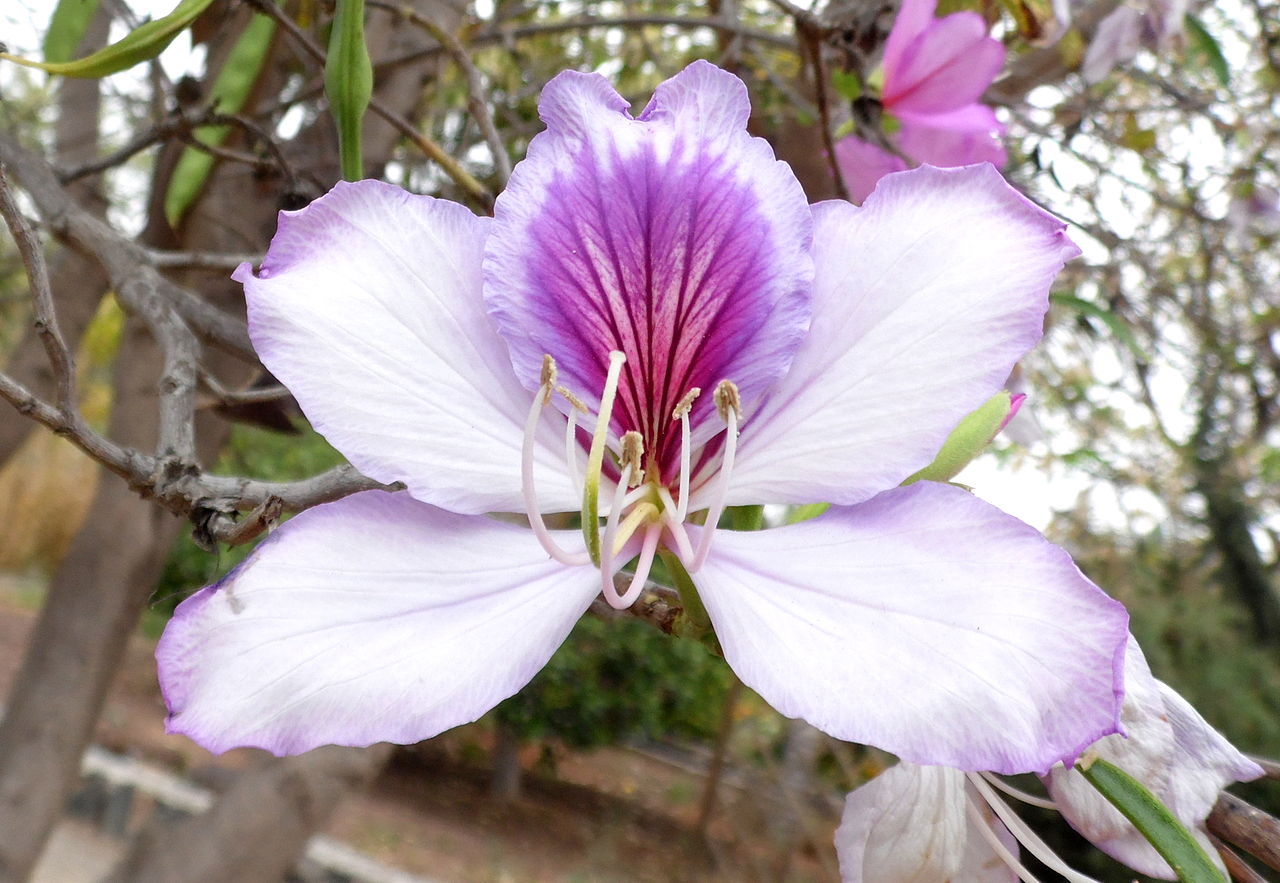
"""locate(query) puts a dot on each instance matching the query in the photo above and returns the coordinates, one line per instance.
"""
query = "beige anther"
(572, 399)
(727, 399)
(632, 453)
(682, 407)
(547, 382)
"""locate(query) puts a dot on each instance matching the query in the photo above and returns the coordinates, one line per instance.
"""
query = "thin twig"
(475, 84)
(430, 148)
(197, 260)
(61, 359)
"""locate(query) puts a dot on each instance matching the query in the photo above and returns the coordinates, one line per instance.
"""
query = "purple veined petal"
(927, 623)
(1172, 751)
(924, 299)
(373, 619)
(674, 237)
(862, 164)
(947, 65)
(910, 824)
(949, 146)
(368, 308)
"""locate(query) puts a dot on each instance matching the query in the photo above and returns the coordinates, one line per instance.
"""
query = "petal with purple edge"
(375, 618)
(910, 824)
(925, 622)
(674, 237)
(1172, 751)
(368, 308)
(924, 299)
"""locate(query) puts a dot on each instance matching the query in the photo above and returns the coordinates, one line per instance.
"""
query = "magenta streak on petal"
(663, 258)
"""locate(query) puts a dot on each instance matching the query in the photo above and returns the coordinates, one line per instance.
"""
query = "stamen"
(632, 454)
(681, 413)
(595, 459)
(1018, 794)
(729, 406)
(644, 564)
(547, 381)
(1024, 834)
(552, 548)
(573, 400)
(669, 515)
(993, 840)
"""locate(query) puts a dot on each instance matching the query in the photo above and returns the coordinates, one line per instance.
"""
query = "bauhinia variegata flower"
(654, 326)
(927, 824)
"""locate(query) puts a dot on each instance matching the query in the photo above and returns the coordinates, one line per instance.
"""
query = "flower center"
(641, 504)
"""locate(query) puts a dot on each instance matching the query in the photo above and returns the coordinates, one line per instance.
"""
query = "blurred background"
(1147, 446)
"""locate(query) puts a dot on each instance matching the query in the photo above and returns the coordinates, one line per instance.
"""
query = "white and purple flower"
(549, 360)
(928, 824)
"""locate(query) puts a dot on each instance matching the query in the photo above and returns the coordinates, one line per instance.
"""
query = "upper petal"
(674, 237)
(375, 618)
(948, 64)
(1172, 751)
(924, 299)
(925, 622)
(368, 308)
(910, 824)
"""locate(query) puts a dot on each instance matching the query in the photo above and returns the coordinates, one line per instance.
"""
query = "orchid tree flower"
(917, 824)
(1173, 751)
(935, 70)
(654, 326)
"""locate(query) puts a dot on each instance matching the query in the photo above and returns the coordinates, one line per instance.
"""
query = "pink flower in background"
(935, 70)
(548, 360)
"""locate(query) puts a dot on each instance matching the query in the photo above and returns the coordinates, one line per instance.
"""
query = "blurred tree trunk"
(507, 772)
(258, 828)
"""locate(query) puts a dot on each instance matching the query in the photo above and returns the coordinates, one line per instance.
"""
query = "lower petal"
(373, 619)
(910, 824)
(927, 623)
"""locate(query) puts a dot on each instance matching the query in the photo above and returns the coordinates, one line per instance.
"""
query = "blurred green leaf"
(847, 84)
(1203, 44)
(1114, 323)
(348, 83)
(1154, 820)
(229, 91)
(66, 29)
(142, 44)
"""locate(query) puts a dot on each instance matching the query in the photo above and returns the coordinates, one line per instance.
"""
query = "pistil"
(681, 413)
(595, 459)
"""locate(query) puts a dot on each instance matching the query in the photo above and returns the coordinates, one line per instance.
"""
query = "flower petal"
(925, 622)
(368, 308)
(946, 64)
(862, 164)
(924, 299)
(674, 237)
(964, 137)
(375, 618)
(910, 825)
(1172, 751)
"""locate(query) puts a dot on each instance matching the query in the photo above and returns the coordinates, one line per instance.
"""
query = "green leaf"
(141, 44)
(66, 29)
(229, 92)
(348, 83)
(1153, 819)
(848, 85)
(1203, 43)
(1113, 322)
(967, 440)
